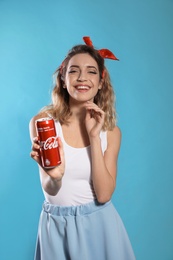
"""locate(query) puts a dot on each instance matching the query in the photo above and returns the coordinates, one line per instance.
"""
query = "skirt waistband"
(83, 209)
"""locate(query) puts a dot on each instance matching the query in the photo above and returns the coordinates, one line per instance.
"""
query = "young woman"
(78, 220)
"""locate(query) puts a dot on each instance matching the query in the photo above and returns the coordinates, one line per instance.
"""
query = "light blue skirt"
(87, 232)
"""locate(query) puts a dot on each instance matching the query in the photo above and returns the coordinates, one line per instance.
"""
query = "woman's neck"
(78, 112)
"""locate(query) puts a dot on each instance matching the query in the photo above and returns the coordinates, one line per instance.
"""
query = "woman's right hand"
(55, 173)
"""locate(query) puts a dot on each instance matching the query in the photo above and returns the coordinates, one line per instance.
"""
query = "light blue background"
(34, 38)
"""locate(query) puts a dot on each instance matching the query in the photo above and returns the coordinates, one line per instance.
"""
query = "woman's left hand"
(94, 119)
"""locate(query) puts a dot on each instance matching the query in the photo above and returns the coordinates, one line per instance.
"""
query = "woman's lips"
(82, 88)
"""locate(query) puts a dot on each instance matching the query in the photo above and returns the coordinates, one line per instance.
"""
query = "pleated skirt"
(91, 231)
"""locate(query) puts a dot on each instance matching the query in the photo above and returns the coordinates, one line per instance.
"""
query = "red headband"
(104, 53)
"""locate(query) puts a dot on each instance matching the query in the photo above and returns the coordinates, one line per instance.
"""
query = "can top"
(43, 119)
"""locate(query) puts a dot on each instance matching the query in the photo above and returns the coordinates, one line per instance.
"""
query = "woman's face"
(82, 78)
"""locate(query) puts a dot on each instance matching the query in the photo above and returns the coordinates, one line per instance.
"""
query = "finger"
(96, 113)
(61, 149)
(34, 154)
(35, 139)
(35, 147)
(93, 107)
(60, 144)
(89, 114)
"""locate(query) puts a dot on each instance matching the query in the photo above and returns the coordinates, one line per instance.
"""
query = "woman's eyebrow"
(76, 66)
(92, 67)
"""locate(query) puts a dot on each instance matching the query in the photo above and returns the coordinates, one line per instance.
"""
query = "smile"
(82, 87)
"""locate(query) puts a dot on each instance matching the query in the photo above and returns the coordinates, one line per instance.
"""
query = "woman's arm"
(104, 167)
(50, 179)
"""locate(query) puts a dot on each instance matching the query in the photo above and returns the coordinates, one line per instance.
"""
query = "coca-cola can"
(49, 150)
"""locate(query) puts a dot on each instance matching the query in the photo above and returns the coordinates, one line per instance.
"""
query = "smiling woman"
(78, 220)
(60, 109)
(82, 77)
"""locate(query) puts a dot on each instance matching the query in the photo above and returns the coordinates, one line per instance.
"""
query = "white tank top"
(76, 186)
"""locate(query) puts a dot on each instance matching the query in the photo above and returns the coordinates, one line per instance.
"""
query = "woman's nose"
(82, 76)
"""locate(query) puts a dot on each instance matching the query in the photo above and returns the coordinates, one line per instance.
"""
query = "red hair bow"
(104, 53)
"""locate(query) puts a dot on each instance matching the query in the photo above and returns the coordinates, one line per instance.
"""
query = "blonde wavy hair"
(105, 98)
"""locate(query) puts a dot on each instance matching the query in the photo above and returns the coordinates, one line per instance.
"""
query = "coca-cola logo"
(50, 143)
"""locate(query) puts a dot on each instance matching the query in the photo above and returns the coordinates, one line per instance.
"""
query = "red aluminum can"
(49, 150)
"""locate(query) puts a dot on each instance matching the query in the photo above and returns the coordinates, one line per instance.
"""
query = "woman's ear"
(62, 77)
(100, 84)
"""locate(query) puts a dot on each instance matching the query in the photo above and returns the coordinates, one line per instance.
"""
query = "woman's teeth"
(82, 87)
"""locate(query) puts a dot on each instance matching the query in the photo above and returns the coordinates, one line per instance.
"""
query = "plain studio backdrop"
(34, 39)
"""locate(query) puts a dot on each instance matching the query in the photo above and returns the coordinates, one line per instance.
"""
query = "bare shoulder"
(115, 134)
(114, 139)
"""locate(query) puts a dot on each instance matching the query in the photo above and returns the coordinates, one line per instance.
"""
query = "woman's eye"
(72, 71)
(92, 72)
